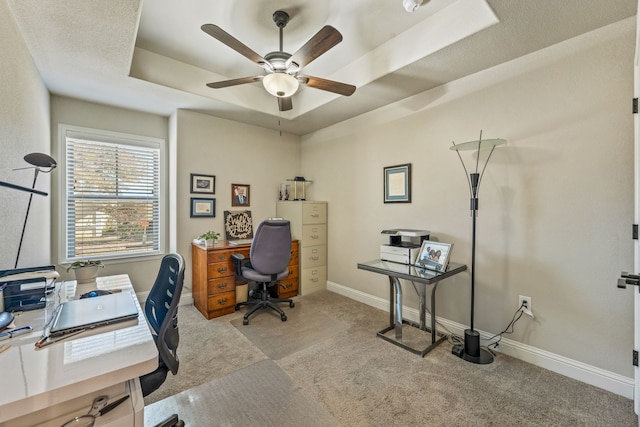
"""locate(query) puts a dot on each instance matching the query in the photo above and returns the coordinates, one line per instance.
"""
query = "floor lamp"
(38, 160)
(470, 350)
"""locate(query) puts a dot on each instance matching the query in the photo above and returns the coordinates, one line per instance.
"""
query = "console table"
(421, 276)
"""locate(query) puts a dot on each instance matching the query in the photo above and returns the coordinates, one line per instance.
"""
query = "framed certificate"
(397, 183)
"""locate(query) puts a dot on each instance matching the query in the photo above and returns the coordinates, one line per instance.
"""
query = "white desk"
(62, 379)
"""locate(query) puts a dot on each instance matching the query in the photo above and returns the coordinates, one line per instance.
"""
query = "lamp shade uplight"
(280, 84)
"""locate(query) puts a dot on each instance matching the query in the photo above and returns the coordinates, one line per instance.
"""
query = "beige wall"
(24, 128)
(556, 203)
(234, 153)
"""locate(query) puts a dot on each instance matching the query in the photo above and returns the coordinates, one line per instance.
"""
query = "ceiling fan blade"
(328, 85)
(235, 44)
(234, 82)
(285, 103)
(324, 40)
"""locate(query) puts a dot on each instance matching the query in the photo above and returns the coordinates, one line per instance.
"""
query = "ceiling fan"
(282, 79)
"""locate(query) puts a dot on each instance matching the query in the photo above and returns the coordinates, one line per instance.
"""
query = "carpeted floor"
(325, 366)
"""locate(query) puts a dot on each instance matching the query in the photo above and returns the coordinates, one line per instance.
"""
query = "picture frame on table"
(434, 255)
(240, 195)
(205, 184)
(397, 183)
(203, 208)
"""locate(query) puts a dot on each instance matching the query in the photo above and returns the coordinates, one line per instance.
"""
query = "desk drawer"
(218, 286)
(289, 285)
(225, 255)
(314, 234)
(223, 300)
(313, 256)
(288, 288)
(293, 271)
(221, 269)
(295, 259)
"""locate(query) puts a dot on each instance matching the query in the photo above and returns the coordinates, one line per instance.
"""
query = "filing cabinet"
(309, 226)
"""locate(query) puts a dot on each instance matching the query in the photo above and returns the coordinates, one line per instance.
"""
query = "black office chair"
(267, 264)
(161, 310)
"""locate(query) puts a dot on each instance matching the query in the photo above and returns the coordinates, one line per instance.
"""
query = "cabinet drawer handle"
(314, 258)
(222, 301)
(221, 257)
(222, 286)
(222, 270)
(315, 279)
(314, 236)
(288, 286)
(315, 215)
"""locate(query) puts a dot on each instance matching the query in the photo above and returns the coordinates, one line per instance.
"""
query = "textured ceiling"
(152, 55)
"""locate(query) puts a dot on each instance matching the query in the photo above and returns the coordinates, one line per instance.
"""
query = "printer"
(404, 245)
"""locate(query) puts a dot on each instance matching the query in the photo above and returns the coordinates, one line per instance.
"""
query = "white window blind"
(112, 196)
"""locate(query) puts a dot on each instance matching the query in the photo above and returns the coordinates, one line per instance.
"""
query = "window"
(112, 194)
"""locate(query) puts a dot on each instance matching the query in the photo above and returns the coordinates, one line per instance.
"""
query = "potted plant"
(86, 271)
(209, 238)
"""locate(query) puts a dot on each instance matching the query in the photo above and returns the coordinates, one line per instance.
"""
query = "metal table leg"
(396, 322)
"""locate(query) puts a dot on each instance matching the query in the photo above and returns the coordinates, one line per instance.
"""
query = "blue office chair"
(161, 311)
(267, 264)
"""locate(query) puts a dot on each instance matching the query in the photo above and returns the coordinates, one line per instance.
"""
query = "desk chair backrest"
(271, 247)
(161, 309)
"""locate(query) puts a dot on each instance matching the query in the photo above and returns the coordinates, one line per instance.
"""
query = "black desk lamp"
(39, 161)
(471, 351)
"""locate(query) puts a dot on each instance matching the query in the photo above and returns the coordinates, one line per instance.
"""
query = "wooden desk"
(213, 277)
(59, 381)
(423, 277)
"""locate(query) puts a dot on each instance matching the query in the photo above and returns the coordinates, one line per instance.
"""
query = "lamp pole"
(471, 350)
(38, 160)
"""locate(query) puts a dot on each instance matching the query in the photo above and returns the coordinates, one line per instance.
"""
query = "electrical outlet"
(526, 305)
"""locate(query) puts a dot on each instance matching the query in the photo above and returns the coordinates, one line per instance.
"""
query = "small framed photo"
(397, 183)
(240, 195)
(203, 184)
(434, 255)
(203, 208)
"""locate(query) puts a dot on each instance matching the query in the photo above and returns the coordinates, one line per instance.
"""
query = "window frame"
(100, 135)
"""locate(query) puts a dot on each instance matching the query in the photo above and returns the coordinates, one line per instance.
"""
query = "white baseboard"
(592, 375)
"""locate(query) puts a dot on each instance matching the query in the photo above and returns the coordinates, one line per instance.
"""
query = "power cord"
(455, 339)
(508, 330)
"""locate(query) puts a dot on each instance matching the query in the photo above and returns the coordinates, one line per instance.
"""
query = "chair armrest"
(237, 257)
(239, 261)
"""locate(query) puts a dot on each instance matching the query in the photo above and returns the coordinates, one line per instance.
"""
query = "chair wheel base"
(291, 304)
(283, 317)
(245, 321)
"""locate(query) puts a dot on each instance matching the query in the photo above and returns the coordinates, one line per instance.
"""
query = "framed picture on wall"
(240, 195)
(397, 183)
(203, 183)
(203, 208)
(238, 225)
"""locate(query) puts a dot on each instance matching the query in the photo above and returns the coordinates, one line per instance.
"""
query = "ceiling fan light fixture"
(411, 5)
(281, 85)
